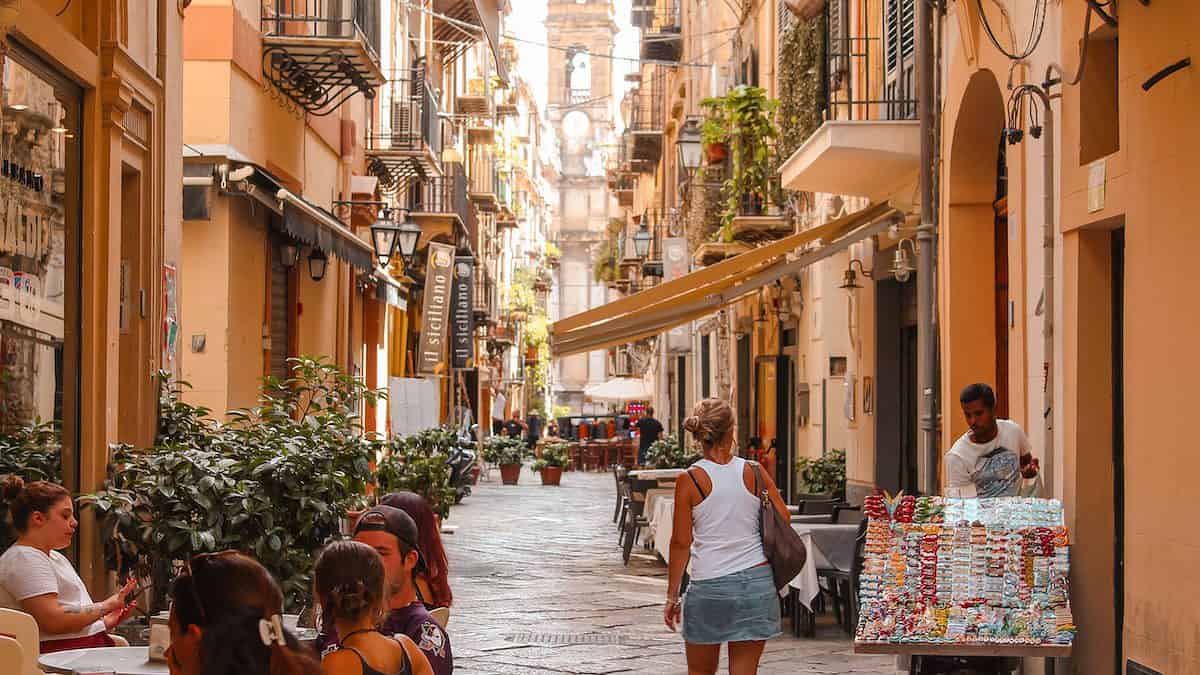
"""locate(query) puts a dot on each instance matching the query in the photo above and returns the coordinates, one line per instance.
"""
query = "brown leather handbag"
(783, 547)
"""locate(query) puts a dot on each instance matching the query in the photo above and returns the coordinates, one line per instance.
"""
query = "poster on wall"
(462, 341)
(675, 265)
(439, 273)
(170, 317)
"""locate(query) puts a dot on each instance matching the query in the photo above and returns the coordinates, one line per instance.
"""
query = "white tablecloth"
(807, 582)
(120, 660)
(656, 474)
(662, 524)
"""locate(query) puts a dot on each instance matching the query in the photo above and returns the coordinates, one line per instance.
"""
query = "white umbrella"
(619, 389)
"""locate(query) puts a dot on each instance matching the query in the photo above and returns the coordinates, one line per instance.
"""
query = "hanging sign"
(462, 341)
(675, 265)
(431, 357)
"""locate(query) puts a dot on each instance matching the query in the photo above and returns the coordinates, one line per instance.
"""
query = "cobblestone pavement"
(539, 588)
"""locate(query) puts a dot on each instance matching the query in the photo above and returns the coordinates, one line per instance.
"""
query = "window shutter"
(839, 42)
(900, 58)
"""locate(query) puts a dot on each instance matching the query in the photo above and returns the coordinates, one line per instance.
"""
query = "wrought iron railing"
(410, 121)
(854, 89)
(444, 194)
(655, 16)
(648, 110)
(344, 19)
(483, 171)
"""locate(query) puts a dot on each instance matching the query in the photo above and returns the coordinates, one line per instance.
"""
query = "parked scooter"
(462, 462)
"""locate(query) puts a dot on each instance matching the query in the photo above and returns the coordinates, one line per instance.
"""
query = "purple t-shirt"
(418, 624)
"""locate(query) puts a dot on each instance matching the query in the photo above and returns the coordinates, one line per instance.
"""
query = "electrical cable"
(1035, 33)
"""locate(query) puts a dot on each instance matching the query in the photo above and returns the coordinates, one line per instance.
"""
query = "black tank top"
(367, 669)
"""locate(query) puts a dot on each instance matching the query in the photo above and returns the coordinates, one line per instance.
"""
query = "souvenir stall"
(965, 577)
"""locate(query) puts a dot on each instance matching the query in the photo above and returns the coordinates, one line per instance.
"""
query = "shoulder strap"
(697, 483)
(366, 667)
(755, 467)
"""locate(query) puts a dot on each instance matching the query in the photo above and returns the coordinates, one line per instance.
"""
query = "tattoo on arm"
(95, 609)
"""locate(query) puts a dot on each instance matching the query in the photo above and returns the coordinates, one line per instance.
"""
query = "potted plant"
(417, 463)
(744, 119)
(668, 453)
(507, 453)
(825, 475)
(714, 134)
(550, 464)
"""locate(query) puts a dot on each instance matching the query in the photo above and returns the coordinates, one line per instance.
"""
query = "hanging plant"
(744, 117)
(802, 95)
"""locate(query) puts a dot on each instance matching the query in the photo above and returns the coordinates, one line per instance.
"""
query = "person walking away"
(395, 537)
(227, 619)
(992, 457)
(432, 583)
(515, 428)
(533, 429)
(649, 431)
(731, 597)
(38, 580)
(350, 585)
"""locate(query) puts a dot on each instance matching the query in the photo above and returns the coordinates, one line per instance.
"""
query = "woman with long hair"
(731, 597)
(433, 584)
(226, 619)
(38, 580)
(350, 584)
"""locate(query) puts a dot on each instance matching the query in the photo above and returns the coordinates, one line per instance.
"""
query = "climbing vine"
(802, 94)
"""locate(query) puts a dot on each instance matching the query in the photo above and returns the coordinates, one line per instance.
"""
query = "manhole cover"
(567, 638)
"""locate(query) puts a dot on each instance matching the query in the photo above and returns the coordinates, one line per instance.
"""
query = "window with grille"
(900, 49)
(839, 43)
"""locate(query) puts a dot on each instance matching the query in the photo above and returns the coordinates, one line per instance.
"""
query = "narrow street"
(539, 588)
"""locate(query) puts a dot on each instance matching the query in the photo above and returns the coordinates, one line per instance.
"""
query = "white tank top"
(725, 535)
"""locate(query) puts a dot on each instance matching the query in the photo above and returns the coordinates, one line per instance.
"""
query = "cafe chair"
(10, 652)
(119, 640)
(24, 629)
(441, 615)
(846, 515)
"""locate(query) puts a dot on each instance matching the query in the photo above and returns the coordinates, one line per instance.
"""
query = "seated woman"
(38, 580)
(226, 619)
(433, 585)
(349, 583)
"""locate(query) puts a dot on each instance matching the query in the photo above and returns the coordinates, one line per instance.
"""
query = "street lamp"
(688, 146)
(407, 235)
(384, 233)
(902, 267)
(850, 279)
(641, 240)
(317, 262)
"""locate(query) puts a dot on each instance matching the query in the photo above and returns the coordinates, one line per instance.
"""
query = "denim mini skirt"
(737, 607)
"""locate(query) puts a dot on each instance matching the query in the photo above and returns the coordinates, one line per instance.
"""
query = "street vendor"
(993, 456)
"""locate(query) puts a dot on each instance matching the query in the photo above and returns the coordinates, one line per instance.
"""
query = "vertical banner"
(462, 340)
(675, 265)
(170, 310)
(435, 313)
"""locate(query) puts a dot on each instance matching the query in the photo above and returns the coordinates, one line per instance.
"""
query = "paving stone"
(539, 587)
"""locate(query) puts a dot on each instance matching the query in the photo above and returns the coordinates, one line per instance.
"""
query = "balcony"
(476, 99)
(758, 221)
(870, 143)
(647, 123)
(408, 144)
(484, 298)
(439, 205)
(506, 217)
(448, 30)
(319, 53)
(482, 186)
(661, 29)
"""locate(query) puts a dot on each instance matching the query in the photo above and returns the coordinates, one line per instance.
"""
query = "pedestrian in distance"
(350, 584)
(649, 431)
(731, 597)
(992, 457)
(226, 619)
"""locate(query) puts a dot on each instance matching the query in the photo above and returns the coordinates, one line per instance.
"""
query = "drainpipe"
(1048, 228)
(927, 352)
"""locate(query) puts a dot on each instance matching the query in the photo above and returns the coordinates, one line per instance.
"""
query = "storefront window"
(39, 272)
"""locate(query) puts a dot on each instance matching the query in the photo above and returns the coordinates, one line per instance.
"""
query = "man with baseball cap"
(393, 534)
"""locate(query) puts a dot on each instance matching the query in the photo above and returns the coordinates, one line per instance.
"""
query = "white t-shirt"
(26, 572)
(991, 469)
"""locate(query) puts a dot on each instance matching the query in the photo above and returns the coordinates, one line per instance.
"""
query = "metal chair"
(844, 514)
(810, 506)
(843, 587)
(619, 473)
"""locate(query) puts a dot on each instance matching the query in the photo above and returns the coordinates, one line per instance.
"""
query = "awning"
(619, 389)
(455, 23)
(704, 291)
(390, 291)
(320, 229)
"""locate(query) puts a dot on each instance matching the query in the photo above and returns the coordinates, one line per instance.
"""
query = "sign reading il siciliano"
(462, 340)
(439, 277)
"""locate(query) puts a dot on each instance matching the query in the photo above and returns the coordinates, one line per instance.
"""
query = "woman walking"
(731, 597)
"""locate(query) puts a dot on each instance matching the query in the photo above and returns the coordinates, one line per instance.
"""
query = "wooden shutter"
(839, 43)
(900, 58)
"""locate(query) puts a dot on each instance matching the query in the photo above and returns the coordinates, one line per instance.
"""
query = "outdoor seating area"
(833, 533)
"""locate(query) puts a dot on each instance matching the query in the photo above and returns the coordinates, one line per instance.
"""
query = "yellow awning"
(702, 292)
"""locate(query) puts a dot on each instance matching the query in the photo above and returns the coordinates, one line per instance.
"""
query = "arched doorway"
(974, 252)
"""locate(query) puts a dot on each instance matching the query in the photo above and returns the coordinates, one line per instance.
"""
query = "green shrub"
(33, 452)
(668, 453)
(553, 454)
(825, 474)
(501, 450)
(417, 463)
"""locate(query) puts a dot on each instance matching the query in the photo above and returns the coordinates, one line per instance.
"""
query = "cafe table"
(828, 547)
(119, 660)
(656, 474)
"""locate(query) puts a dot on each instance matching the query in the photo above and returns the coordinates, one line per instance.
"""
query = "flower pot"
(475, 471)
(551, 475)
(716, 152)
(510, 473)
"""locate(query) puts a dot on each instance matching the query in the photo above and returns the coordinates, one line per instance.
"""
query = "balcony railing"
(408, 143)
(648, 116)
(854, 95)
(321, 52)
(661, 29)
(442, 195)
(482, 190)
